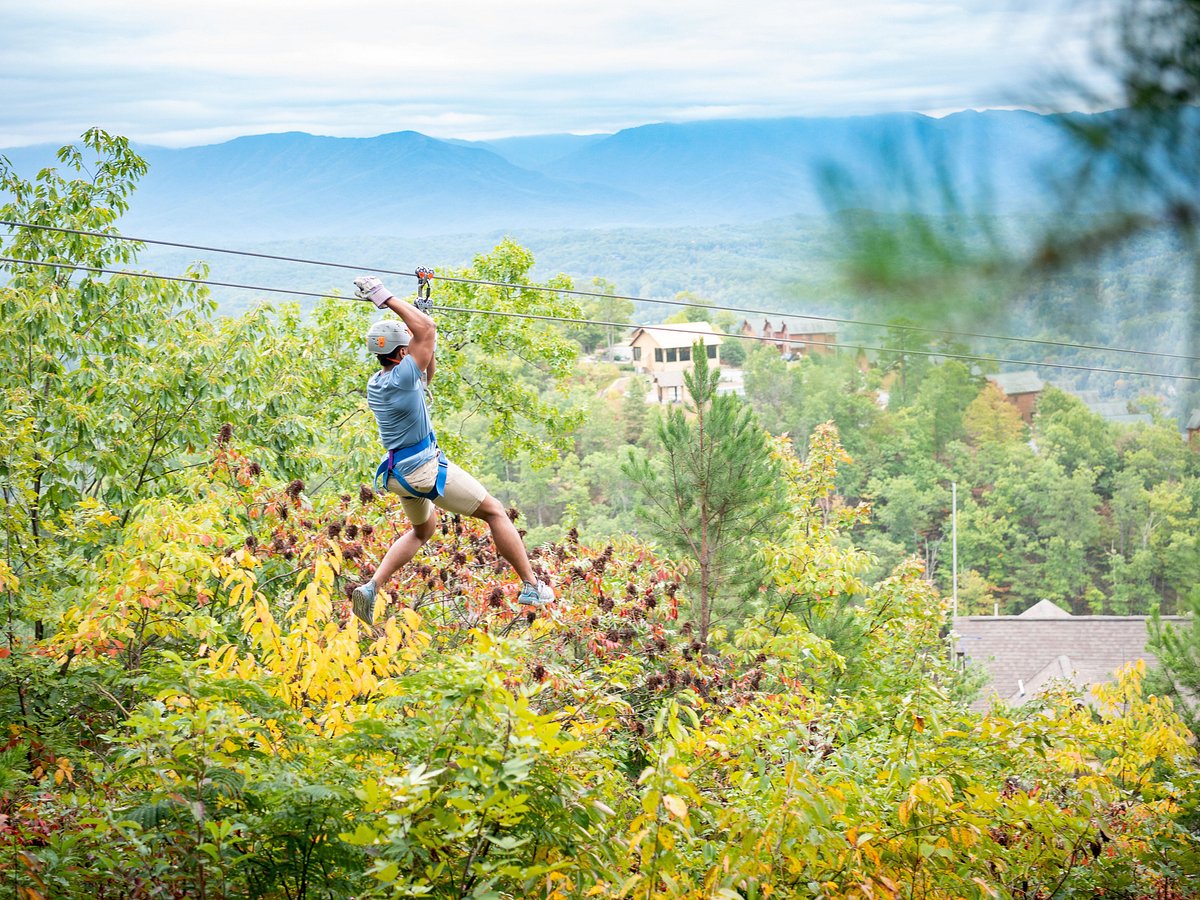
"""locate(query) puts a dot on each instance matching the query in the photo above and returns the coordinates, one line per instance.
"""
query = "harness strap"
(439, 483)
(399, 454)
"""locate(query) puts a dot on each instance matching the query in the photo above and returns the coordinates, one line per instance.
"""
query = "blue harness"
(385, 470)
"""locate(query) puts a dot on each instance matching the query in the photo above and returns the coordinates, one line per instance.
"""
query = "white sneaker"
(368, 287)
(538, 594)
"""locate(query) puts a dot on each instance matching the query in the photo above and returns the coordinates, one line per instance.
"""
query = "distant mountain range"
(294, 185)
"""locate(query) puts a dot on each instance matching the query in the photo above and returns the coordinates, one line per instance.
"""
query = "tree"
(634, 412)
(770, 388)
(991, 420)
(714, 491)
(499, 365)
(686, 314)
(605, 308)
(1074, 435)
(102, 374)
(912, 514)
(1178, 652)
(942, 398)
(733, 352)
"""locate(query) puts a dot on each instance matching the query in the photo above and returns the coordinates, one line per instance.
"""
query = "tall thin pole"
(954, 571)
(954, 542)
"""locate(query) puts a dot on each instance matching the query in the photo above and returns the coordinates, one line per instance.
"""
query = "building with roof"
(1193, 428)
(664, 353)
(798, 337)
(1022, 390)
(668, 348)
(1117, 412)
(1024, 654)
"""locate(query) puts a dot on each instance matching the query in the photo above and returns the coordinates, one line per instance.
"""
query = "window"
(712, 351)
(658, 354)
(685, 354)
(671, 354)
(637, 353)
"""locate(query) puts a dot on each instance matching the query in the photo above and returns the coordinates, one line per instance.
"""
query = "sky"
(182, 74)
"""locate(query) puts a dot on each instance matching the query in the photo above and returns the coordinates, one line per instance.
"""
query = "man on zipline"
(414, 467)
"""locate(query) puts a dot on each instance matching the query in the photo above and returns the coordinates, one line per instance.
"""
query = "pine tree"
(713, 490)
(1178, 650)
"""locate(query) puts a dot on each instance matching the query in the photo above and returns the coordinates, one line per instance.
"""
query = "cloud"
(182, 74)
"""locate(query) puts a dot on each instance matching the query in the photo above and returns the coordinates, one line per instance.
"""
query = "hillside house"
(668, 348)
(1022, 390)
(1193, 429)
(797, 337)
(1024, 654)
(664, 353)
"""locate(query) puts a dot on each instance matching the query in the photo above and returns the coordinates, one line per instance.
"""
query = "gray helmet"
(384, 337)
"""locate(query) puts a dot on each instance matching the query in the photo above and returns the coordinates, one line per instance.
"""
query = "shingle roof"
(1109, 409)
(1018, 382)
(769, 327)
(1117, 412)
(1194, 420)
(1020, 652)
(1045, 609)
(808, 326)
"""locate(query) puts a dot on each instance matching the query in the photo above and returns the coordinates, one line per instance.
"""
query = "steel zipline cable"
(9, 261)
(1045, 342)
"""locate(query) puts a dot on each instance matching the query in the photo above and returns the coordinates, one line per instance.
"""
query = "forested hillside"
(743, 690)
(1098, 517)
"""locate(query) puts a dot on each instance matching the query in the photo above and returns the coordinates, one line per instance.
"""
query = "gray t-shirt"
(397, 398)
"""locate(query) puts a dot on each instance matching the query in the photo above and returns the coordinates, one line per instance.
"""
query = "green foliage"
(606, 308)
(733, 353)
(484, 361)
(102, 376)
(266, 745)
(991, 421)
(1178, 650)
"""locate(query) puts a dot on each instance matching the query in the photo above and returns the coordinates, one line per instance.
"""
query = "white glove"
(370, 288)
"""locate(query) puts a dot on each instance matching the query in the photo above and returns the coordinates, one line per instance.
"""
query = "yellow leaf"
(650, 801)
(675, 806)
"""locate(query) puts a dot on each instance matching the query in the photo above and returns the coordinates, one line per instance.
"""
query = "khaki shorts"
(463, 493)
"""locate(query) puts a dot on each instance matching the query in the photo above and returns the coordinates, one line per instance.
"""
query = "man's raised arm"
(420, 325)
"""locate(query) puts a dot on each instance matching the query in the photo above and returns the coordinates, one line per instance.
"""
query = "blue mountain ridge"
(296, 185)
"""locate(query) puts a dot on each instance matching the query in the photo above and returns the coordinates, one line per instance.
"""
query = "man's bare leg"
(403, 549)
(506, 537)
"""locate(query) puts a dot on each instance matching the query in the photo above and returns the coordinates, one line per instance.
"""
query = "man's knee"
(489, 508)
(425, 530)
